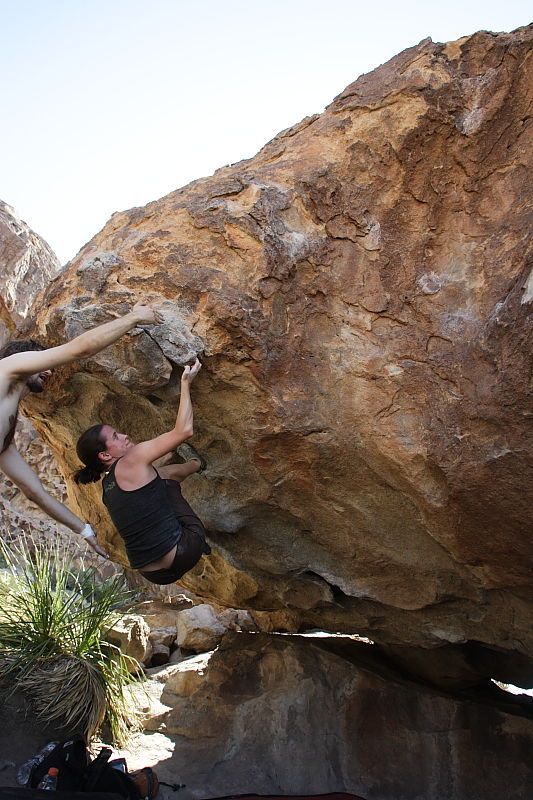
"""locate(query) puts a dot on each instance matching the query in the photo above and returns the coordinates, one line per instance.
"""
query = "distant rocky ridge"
(28, 266)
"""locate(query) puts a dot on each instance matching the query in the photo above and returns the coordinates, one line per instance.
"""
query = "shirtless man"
(24, 368)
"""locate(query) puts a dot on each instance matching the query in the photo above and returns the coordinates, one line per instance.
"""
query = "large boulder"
(361, 294)
(277, 715)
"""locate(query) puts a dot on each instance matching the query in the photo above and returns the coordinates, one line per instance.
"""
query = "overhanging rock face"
(360, 293)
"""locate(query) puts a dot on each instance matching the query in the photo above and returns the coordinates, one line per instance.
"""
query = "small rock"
(131, 634)
(165, 636)
(160, 655)
(199, 629)
(176, 656)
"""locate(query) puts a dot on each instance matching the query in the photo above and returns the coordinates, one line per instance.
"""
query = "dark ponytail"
(89, 445)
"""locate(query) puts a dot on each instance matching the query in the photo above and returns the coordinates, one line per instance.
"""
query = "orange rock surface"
(360, 294)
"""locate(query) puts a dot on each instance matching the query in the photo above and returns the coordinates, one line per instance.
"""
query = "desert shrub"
(52, 647)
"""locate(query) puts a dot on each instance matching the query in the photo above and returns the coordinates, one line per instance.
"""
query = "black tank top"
(144, 518)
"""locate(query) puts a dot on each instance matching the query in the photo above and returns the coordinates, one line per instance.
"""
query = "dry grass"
(52, 623)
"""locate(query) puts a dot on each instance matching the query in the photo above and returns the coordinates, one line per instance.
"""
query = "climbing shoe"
(190, 453)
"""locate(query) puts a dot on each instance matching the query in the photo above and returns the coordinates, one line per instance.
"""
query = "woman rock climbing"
(163, 536)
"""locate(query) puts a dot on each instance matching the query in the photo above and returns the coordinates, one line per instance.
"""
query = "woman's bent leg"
(184, 513)
(178, 472)
(189, 551)
(192, 544)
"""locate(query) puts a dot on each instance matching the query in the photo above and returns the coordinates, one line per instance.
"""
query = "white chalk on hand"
(87, 532)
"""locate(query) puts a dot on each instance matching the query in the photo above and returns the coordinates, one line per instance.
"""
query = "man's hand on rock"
(147, 314)
(93, 542)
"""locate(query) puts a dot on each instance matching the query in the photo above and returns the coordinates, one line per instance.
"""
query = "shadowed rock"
(277, 715)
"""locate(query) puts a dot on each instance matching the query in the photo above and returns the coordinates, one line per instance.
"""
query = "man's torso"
(9, 401)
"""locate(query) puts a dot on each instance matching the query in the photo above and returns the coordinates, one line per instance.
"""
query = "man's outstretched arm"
(17, 470)
(83, 346)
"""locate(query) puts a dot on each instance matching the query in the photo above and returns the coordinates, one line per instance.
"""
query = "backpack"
(78, 773)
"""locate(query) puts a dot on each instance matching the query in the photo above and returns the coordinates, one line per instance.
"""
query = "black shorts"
(191, 544)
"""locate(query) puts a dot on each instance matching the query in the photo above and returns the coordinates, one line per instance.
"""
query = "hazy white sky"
(108, 104)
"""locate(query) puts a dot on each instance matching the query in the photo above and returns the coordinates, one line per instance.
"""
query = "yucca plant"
(52, 647)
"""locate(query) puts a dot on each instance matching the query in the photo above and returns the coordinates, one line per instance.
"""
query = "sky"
(109, 104)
